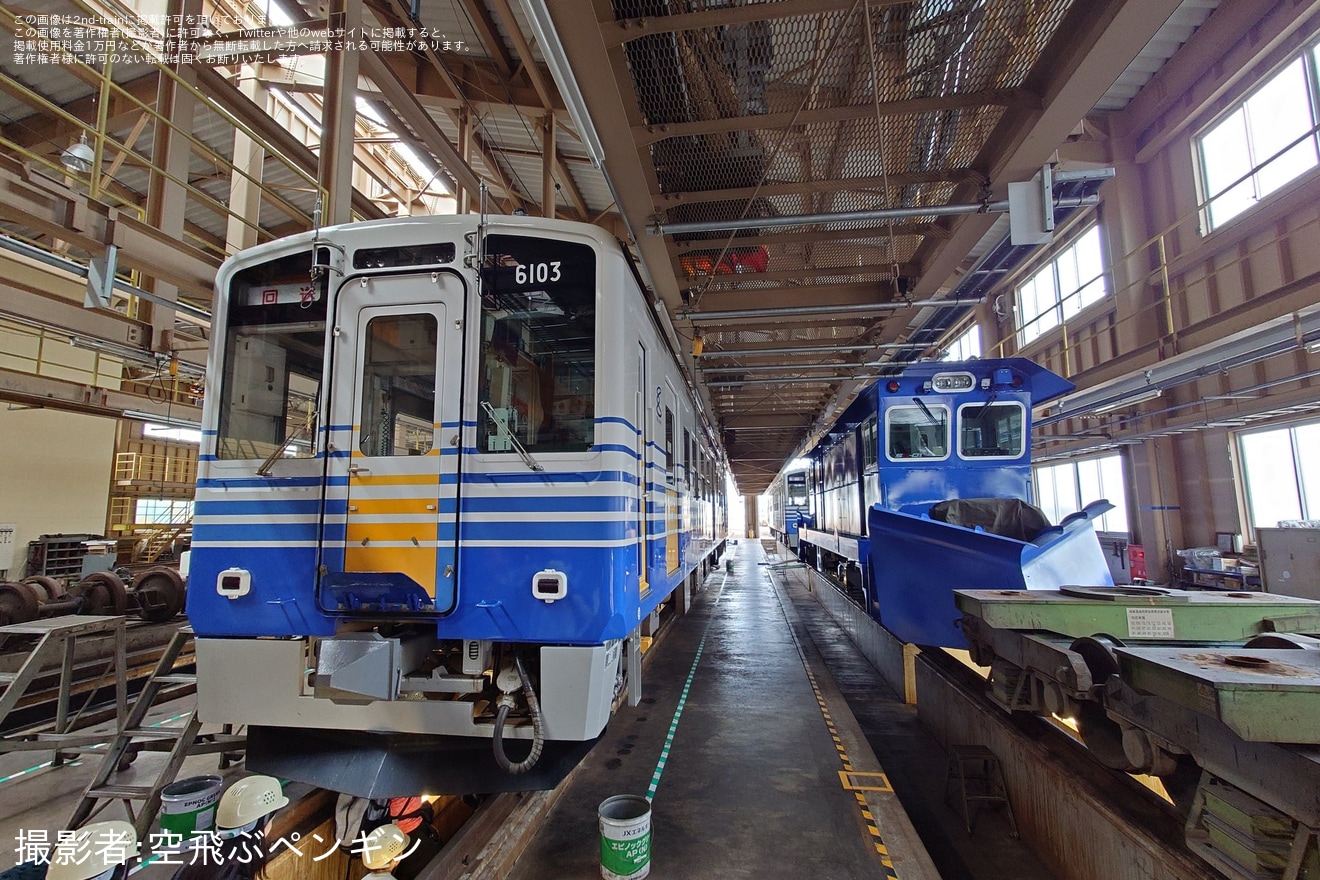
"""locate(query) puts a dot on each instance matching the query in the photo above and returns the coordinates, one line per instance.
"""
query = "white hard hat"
(93, 850)
(382, 846)
(246, 803)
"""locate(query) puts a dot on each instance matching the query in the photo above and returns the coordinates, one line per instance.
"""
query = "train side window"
(917, 432)
(669, 445)
(870, 445)
(398, 386)
(992, 430)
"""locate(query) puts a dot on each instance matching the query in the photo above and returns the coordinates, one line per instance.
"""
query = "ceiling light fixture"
(1130, 400)
(77, 159)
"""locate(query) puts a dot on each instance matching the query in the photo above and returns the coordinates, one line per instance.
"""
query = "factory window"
(1261, 144)
(538, 345)
(153, 431)
(1281, 474)
(162, 511)
(966, 346)
(1062, 489)
(1058, 291)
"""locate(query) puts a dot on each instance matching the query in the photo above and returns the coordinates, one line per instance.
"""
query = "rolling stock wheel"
(1102, 735)
(102, 592)
(19, 603)
(160, 594)
(53, 589)
(1283, 640)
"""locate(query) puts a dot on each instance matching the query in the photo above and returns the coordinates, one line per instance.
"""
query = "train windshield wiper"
(301, 432)
(508, 435)
(988, 401)
(930, 415)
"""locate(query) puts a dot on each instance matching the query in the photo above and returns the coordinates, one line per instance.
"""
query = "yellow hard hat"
(93, 850)
(382, 846)
(247, 802)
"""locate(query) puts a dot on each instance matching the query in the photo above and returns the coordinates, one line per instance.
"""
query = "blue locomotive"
(918, 490)
(788, 506)
(450, 471)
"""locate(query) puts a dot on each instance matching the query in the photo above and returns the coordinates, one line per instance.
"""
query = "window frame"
(1029, 331)
(978, 404)
(1242, 473)
(966, 345)
(1309, 55)
(923, 459)
(1120, 505)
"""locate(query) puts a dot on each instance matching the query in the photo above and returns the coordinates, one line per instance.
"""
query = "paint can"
(625, 837)
(187, 807)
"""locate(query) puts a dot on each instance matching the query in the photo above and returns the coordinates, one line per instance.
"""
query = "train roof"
(1040, 382)
(1043, 384)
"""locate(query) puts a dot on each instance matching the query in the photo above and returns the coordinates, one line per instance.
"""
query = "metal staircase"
(142, 800)
(55, 649)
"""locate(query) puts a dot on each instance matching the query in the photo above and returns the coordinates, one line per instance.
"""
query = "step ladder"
(142, 801)
(975, 775)
(57, 644)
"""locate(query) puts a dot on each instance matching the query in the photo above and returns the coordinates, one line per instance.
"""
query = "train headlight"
(549, 585)
(233, 582)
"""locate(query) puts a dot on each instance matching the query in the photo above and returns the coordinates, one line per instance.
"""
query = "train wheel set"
(155, 594)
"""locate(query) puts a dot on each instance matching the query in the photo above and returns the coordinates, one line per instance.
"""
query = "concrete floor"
(750, 786)
(915, 763)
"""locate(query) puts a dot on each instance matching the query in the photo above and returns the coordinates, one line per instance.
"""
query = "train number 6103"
(536, 273)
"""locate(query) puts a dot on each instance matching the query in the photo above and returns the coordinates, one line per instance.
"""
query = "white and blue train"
(450, 471)
(917, 491)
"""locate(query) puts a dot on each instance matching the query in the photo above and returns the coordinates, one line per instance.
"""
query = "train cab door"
(395, 426)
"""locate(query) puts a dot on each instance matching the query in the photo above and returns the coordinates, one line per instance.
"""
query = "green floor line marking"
(24, 772)
(682, 699)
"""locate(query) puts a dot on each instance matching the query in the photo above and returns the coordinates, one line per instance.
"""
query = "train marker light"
(233, 582)
(549, 585)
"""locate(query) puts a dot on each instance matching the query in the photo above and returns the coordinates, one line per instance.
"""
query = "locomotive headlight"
(233, 582)
(549, 585)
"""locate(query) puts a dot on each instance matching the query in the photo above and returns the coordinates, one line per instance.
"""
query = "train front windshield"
(274, 350)
(538, 345)
(991, 430)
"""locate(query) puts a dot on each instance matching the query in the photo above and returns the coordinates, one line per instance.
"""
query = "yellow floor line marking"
(848, 784)
(852, 780)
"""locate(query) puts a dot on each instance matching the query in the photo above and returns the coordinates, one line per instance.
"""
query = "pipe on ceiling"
(879, 215)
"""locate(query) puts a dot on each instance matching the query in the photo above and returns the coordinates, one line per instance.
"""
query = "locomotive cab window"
(274, 350)
(538, 345)
(991, 430)
(920, 431)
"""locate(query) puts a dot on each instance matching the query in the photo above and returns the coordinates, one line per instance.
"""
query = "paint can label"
(625, 838)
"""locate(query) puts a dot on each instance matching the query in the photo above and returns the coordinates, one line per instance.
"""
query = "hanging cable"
(538, 726)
